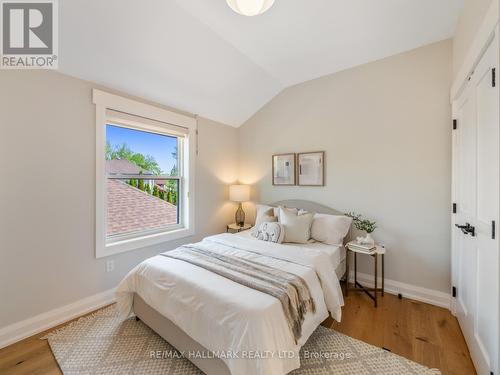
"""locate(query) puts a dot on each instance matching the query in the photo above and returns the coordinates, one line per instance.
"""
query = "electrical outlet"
(110, 266)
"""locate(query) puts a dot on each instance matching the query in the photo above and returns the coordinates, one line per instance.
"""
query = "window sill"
(123, 246)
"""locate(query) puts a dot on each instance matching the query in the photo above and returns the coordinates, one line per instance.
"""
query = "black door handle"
(467, 229)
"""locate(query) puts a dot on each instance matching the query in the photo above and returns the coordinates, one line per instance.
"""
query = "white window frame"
(105, 101)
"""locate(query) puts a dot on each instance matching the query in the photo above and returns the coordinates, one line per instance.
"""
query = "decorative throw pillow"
(330, 229)
(270, 232)
(297, 227)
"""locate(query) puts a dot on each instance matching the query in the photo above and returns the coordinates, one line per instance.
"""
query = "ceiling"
(201, 57)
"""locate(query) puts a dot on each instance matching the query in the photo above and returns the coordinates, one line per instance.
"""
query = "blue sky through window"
(160, 147)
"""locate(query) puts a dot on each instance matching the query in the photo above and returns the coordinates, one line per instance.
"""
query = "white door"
(476, 190)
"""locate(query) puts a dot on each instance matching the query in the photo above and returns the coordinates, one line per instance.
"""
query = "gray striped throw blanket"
(291, 290)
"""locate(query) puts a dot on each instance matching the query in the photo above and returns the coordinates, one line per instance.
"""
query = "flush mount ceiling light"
(250, 7)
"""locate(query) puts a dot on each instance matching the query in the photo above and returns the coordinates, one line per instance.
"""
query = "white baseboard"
(39, 323)
(433, 297)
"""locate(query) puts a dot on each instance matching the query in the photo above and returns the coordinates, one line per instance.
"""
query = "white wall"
(47, 124)
(469, 22)
(386, 130)
(385, 127)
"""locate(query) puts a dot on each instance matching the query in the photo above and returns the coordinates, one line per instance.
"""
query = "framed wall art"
(284, 169)
(311, 168)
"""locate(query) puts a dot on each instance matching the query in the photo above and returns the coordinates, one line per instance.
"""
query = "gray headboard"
(314, 207)
(308, 206)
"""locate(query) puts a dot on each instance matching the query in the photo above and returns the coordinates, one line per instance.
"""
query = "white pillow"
(288, 209)
(297, 227)
(330, 229)
(270, 232)
(265, 214)
(264, 209)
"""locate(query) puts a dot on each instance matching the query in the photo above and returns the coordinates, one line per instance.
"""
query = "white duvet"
(229, 318)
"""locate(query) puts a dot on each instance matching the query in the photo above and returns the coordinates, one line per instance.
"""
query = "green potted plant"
(364, 225)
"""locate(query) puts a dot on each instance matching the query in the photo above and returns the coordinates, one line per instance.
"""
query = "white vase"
(369, 239)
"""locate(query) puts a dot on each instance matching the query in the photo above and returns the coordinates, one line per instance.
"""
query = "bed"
(224, 327)
(336, 254)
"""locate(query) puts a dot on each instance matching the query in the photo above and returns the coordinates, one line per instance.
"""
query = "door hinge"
(493, 230)
(494, 77)
(454, 208)
(455, 123)
(454, 291)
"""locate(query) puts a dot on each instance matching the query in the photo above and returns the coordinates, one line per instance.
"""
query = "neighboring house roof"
(123, 166)
(130, 209)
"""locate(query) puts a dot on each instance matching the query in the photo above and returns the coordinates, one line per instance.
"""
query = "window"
(142, 181)
(145, 173)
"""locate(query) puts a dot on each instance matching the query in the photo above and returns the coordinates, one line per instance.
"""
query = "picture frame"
(311, 168)
(284, 169)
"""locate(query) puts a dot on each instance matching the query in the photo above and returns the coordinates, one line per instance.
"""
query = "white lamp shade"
(239, 193)
(250, 7)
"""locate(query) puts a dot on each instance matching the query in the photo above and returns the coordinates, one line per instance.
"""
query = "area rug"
(101, 344)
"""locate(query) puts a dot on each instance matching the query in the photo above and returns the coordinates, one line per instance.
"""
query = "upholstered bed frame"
(184, 343)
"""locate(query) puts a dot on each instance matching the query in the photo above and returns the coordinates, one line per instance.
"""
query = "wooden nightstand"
(379, 251)
(235, 228)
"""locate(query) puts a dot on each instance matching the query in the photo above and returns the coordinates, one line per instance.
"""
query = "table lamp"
(240, 194)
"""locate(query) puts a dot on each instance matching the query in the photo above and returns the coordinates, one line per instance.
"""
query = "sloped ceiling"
(201, 57)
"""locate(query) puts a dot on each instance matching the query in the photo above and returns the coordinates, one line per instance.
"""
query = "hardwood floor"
(423, 333)
(30, 356)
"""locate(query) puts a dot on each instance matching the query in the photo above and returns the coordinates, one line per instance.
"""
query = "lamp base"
(239, 217)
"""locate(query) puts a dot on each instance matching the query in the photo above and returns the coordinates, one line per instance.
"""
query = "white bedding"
(227, 317)
(335, 253)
